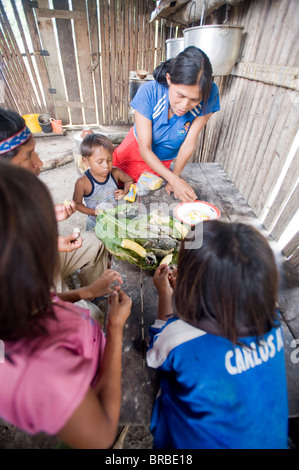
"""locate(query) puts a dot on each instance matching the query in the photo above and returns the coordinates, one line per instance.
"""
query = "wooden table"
(139, 385)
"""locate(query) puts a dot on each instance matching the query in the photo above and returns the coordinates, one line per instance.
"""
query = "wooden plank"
(76, 104)
(284, 191)
(126, 58)
(6, 98)
(40, 61)
(67, 52)
(15, 63)
(132, 407)
(267, 150)
(233, 203)
(118, 64)
(279, 75)
(106, 58)
(42, 13)
(150, 302)
(46, 32)
(84, 62)
(114, 119)
(287, 214)
(29, 59)
(95, 57)
(103, 52)
(7, 68)
(108, 64)
(291, 246)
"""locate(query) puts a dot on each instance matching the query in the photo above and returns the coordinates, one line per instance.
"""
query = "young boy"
(99, 186)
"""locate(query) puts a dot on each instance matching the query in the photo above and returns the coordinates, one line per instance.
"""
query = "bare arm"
(94, 423)
(79, 192)
(144, 131)
(104, 285)
(120, 175)
(165, 292)
(189, 143)
(65, 210)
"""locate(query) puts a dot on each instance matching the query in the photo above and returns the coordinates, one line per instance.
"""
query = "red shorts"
(127, 157)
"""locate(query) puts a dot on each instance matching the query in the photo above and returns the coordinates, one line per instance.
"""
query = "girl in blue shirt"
(217, 345)
(169, 114)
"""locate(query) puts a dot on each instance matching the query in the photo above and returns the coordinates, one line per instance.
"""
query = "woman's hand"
(64, 211)
(69, 243)
(161, 280)
(163, 285)
(119, 309)
(172, 276)
(181, 190)
(110, 281)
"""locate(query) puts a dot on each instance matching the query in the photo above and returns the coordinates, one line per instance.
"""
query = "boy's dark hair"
(10, 124)
(92, 141)
(28, 252)
(190, 67)
(231, 280)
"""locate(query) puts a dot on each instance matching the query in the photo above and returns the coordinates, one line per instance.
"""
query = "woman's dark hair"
(92, 141)
(28, 253)
(10, 124)
(190, 67)
(232, 279)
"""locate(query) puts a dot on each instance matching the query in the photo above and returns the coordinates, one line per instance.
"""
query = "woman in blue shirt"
(170, 112)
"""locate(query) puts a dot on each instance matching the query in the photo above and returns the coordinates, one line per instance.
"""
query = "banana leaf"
(159, 234)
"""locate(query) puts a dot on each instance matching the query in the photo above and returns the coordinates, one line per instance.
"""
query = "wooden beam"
(279, 75)
(61, 14)
(75, 104)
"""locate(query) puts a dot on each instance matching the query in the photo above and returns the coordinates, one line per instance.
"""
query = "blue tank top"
(102, 194)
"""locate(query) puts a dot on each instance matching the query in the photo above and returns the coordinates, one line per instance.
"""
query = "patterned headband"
(15, 140)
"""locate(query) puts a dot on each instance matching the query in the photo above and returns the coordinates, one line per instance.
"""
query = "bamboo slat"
(15, 63)
(43, 73)
(28, 57)
(68, 57)
(84, 62)
(46, 28)
(61, 14)
(112, 30)
(9, 77)
(292, 246)
(95, 57)
(284, 192)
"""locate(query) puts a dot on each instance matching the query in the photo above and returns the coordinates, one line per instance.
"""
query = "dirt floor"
(59, 174)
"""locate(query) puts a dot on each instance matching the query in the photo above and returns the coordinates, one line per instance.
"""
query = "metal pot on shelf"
(221, 43)
(174, 47)
(135, 81)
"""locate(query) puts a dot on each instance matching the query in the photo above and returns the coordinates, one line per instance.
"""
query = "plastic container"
(56, 126)
(45, 123)
(79, 136)
(31, 121)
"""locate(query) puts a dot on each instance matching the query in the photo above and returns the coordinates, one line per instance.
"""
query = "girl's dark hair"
(10, 124)
(190, 67)
(232, 279)
(28, 253)
(91, 141)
